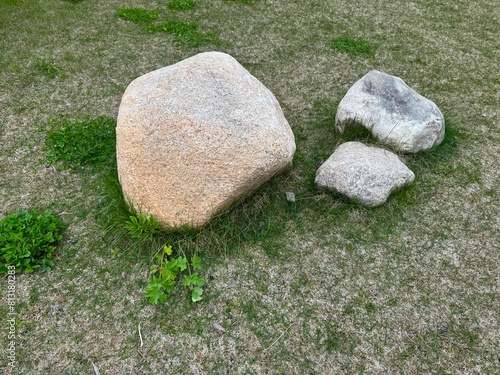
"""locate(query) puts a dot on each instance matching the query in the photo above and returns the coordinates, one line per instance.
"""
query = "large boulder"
(365, 174)
(196, 137)
(396, 115)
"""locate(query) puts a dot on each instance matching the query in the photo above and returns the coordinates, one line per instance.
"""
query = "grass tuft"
(137, 14)
(353, 46)
(46, 69)
(186, 34)
(181, 4)
(27, 241)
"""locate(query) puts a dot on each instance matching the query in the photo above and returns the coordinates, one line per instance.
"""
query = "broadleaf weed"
(27, 240)
(167, 271)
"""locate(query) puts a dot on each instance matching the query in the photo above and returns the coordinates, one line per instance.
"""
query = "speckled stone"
(365, 174)
(196, 137)
(396, 115)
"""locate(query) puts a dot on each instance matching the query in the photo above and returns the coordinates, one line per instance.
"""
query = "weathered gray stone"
(196, 137)
(363, 173)
(396, 115)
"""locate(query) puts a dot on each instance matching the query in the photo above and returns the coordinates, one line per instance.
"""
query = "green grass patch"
(46, 69)
(138, 14)
(27, 241)
(333, 339)
(186, 34)
(353, 46)
(181, 4)
(438, 160)
(79, 144)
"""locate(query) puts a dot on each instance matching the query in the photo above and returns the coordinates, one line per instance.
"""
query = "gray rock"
(396, 115)
(363, 173)
(196, 137)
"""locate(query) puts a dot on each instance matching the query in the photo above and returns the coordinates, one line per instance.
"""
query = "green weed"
(27, 241)
(167, 270)
(142, 227)
(78, 144)
(186, 34)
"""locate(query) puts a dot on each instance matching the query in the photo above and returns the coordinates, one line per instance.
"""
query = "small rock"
(363, 173)
(442, 328)
(290, 197)
(396, 115)
(218, 328)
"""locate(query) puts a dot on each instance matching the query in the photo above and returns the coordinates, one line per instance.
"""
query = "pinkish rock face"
(196, 137)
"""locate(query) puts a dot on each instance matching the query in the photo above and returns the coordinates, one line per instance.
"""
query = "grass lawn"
(319, 286)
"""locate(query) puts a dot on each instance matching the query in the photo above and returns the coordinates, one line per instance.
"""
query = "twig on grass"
(96, 370)
(140, 336)
(275, 341)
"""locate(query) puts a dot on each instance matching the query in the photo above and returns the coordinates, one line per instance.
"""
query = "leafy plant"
(47, 69)
(77, 144)
(181, 4)
(353, 46)
(167, 271)
(142, 227)
(27, 240)
(186, 34)
(137, 14)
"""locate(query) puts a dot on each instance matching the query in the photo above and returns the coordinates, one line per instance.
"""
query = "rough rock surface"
(396, 115)
(196, 137)
(363, 173)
